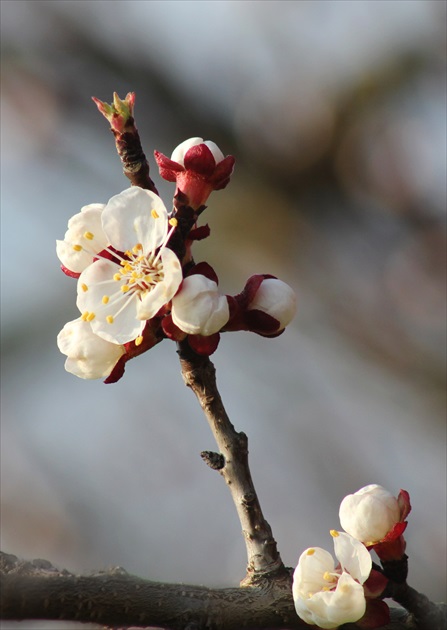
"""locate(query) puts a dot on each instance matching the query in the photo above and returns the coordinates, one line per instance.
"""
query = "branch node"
(216, 461)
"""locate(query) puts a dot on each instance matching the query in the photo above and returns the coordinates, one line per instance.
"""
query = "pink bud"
(198, 168)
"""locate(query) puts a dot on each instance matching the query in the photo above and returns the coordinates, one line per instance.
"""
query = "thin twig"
(262, 554)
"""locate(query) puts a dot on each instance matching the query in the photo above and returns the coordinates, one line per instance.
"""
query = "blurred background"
(336, 114)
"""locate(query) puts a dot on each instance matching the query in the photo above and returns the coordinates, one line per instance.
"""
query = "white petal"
(123, 325)
(369, 514)
(127, 220)
(198, 308)
(164, 291)
(178, 155)
(84, 230)
(217, 153)
(330, 609)
(71, 259)
(353, 556)
(347, 603)
(309, 574)
(277, 299)
(88, 356)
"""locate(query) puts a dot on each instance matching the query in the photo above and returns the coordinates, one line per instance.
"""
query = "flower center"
(140, 273)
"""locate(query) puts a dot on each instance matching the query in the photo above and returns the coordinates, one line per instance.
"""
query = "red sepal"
(204, 269)
(200, 160)
(150, 339)
(199, 233)
(375, 584)
(171, 330)
(377, 615)
(168, 168)
(71, 274)
(403, 501)
(204, 345)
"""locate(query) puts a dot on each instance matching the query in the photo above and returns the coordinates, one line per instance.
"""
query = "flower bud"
(377, 518)
(198, 308)
(198, 167)
(275, 298)
(265, 306)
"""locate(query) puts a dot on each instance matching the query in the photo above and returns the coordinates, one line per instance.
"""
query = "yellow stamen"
(139, 341)
(334, 533)
(310, 552)
(77, 248)
(173, 222)
(154, 214)
(84, 287)
(328, 576)
(128, 253)
(125, 288)
(110, 319)
(105, 299)
(148, 278)
(117, 276)
(89, 236)
(84, 316)
(91, 317)
(137, 248)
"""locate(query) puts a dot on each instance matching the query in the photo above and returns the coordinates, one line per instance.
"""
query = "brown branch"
(263, 557)
(115, 599)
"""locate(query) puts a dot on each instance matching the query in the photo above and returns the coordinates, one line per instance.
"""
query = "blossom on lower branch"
(377, 518)
(328, 595)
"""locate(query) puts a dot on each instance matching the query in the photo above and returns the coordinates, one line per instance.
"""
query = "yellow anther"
(84, 316)
(148, 278)
(89, 236)
(105, 299)
(91, 317)
(125, 288)
(84, 287)
(139, 340)
(334, 533)
(326, 588)
(128, 253)
(77, 248)
(109, 319)
(137, 248)
(136, 275)
(154, 214)
(127, 267)
(173, 222)
(117, 276)
(328, 576)
(310, 552)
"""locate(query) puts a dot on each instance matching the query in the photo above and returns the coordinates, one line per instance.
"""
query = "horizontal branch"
(37, 590)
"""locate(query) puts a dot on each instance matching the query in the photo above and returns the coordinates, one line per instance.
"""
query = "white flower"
(83, 240)
(89, 356)
(118, 296)
(369, 514)
(198, 308)
(277, 299)
(326, 595)
(178, 155)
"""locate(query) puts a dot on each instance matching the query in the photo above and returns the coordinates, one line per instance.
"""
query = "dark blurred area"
(336, 114)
